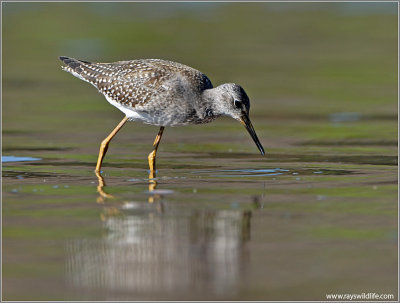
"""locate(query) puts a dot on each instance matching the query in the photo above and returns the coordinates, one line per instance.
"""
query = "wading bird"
(161, 93)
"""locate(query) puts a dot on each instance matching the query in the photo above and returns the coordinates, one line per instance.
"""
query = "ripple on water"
(244, 172)
(6, 159)
(269, 172)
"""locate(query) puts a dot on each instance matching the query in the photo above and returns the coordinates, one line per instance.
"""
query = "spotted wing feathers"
(132, 82)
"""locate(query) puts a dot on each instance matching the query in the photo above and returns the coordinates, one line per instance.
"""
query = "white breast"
(130, 113)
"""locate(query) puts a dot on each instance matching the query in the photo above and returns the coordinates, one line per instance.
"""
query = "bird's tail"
(78, 68)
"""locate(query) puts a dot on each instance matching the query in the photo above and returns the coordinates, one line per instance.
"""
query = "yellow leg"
(105, 142)
(152, 155)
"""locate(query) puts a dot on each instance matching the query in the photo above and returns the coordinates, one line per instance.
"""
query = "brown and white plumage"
(155, 91)
(162, 93)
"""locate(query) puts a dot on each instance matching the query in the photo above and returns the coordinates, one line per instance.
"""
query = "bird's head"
(234, 102)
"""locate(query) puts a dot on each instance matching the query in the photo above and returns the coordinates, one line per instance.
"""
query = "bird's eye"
(237, 103)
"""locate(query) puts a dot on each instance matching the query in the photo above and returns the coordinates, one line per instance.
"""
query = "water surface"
(248, 232)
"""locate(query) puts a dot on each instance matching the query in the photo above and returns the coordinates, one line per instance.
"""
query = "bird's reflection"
(103, 195)
(100, 188)
(152, 248)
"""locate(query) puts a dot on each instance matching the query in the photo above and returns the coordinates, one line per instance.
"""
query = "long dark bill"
(246, 122)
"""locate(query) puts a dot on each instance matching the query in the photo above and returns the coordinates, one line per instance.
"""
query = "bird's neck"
(212, 100)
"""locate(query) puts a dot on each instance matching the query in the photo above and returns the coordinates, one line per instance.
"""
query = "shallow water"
(237, 229)
(316, 215)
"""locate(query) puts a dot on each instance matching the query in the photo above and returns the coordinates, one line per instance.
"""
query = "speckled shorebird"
(161, 93)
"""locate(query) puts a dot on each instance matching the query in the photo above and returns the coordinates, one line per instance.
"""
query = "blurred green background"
(322, 79)
(307, 59)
